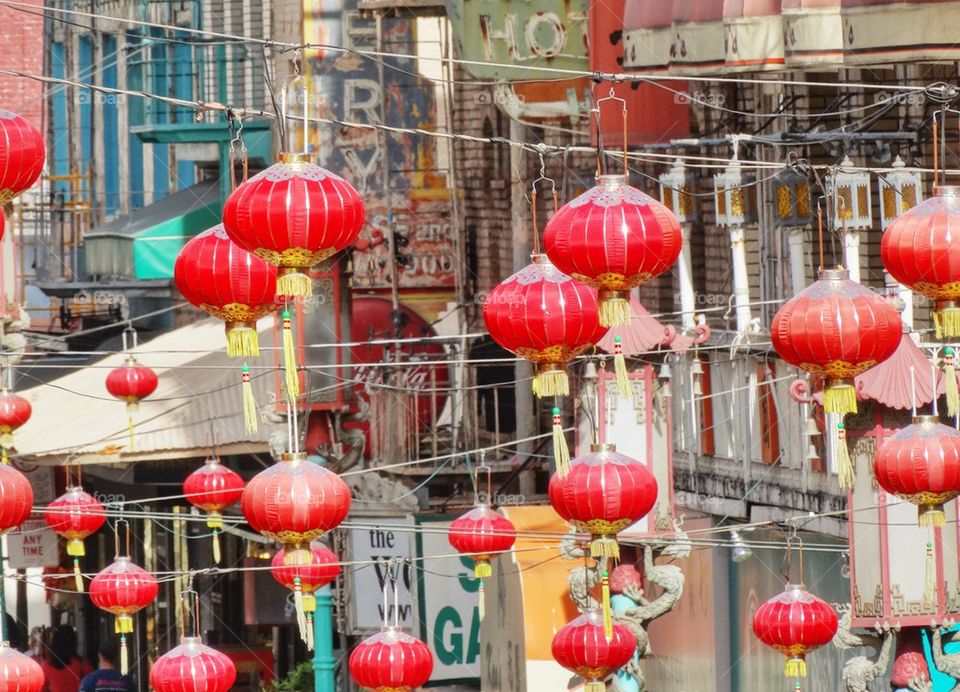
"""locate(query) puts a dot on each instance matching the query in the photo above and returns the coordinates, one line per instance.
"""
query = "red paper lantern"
(391, 661)
(19, 673)
(613, 237)
(75, 515)
(21, 155)
(212, 487)
(192, 667)
(794, 623)
(604, 493)
(131, 382)
(836, 329)
(294, 502)
(304, 581)
(294, 214)
(234, 285)
(482, 533)
(920, 250)
(16, 498)
(921, 464)
(14, 412)
(582, 647)
(123, 589)
(546, 317)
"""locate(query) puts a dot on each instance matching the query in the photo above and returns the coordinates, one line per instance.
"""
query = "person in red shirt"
(62, 666)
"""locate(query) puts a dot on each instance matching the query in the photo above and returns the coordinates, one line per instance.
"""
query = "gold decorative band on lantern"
(550, 379)
(242, 339)
(294, 257)
(838, 274)
(840, 396)
(597, 448)
(290, 157)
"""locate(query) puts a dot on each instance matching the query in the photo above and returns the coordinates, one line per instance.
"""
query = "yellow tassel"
(301, 613)
(296, 555)
(607, 612)
(123, 624)
(614, 311)
(3, 456)
(561, 453)
(75, 548)
(950, 374)
(216, 546)
(620, 367)
(840, 397)
(796, 667)
(309, 632)
(930, 581)
(482, 568)
(595, 686)
(77, 576)
(131, 409)
(931, 516)
(948, 325)
(938, 324)
(242, 340)
(291, 282)
(551, 382)
(290, 360)
(846, 474)
(249, 403)
(605, 546)
(124, 656)
(481, 601)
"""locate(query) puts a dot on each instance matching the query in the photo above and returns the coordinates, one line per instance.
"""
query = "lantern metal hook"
(129, 337)
(483, 497)
(116, 537)
(595, 113)
(543, 177)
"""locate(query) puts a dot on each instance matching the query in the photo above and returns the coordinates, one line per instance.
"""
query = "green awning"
(145, 244)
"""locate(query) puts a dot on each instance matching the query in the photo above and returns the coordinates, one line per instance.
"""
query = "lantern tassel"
(77, 575)
(309, 607)
(3, 456)
(845, 471)
(953, 391)
(931, 516)
(607, 611)
(242, 340)
(482, 568)
(795, 667)
(291, 282)
(561, 453)
(216, 546)
(840, 397)
(249, 402)
(481, 601)
(930, 577)
(946, 320)
(301, 613)
(595, 686)
(620, 367)
(290, 360)
(551, 382)
(309, 640)
(605, 546)
(614, 310)
(124, 655)
(132, 407)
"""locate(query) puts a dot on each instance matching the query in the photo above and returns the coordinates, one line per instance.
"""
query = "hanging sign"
(384, 541)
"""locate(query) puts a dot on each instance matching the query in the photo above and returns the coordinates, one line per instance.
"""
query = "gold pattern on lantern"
(792, 650)
(553, 355)
(6, 196)
(602, 527)
(838, 369)
(612, 281)
(950, 291)
(237, 312)
(290, 537)
(294, 256)
(929, 498)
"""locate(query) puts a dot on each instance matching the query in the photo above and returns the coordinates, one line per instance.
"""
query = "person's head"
(107, 654)
(63, 646)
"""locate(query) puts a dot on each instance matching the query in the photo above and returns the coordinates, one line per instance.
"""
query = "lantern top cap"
(839, 274)
(212, 461)
(290, 157)
(612, 180)
(947, 191)
(600, 448)
(926, 420)
(293, 457)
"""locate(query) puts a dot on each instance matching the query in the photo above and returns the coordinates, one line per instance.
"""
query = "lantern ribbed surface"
(323, 568)
(22, 154)
(16, 498)
(14, 411)
(613, 237)
(391, 661)
(192, 666)
(604, 493)
(294, 502)
(794, 623)
(213, 486)
(921, 464)
(232, 284)
(131, 381)
(544, 316)
(123, 588)
(582, 647)
(19, 673)
(294, 214)
(482, 533)
(75, 515)
(836, 329)
(921, 250)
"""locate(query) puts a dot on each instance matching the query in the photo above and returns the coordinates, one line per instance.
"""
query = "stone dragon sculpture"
(860, 671)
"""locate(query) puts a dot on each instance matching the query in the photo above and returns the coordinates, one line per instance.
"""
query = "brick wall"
(21, 45)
